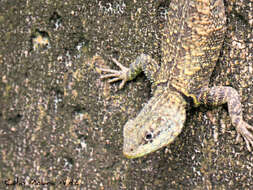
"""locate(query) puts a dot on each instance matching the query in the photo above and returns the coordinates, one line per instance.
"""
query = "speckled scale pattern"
(191, 44)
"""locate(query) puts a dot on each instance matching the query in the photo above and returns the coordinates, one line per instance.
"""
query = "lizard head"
(158, 124)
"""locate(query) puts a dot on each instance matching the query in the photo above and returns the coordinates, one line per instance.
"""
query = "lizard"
(191, 42)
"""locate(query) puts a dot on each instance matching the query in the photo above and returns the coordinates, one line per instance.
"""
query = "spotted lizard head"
(157, 125)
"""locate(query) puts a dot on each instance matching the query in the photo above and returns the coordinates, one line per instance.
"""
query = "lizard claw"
(116, 75)
(244, 131)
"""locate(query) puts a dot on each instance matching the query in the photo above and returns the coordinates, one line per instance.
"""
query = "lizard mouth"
(128, 151)
(127, 155)
(131, 155)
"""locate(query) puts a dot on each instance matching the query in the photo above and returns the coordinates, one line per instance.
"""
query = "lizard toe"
(108, 70)
(109, 75)
(245, 130)
(123, 82)
(122, 67)
(114, 79)
(247, 144)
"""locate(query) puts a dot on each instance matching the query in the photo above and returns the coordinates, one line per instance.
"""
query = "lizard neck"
(191, 99)
(163, 89)
(158, 86)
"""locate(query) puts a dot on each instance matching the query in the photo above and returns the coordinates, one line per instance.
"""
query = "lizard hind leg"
(222, 94)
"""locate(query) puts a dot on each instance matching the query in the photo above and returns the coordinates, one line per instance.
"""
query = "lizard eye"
(149, 136)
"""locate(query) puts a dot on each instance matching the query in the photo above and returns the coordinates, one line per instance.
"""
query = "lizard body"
(191, 44)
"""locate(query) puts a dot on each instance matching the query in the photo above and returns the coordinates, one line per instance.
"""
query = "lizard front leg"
(219, 95)
(142, 63)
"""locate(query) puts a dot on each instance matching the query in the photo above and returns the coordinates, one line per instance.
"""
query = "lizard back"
(191, 42)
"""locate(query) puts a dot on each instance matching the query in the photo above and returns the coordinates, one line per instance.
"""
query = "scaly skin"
(191, 44)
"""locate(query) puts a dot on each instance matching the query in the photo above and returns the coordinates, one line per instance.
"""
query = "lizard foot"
(116, 75)
(244, 131)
